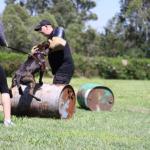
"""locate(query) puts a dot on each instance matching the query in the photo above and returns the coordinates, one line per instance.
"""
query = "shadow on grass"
(1, 122)
(86, 109)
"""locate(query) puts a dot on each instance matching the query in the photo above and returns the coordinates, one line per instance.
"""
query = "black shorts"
(3, 82)
(61, 78)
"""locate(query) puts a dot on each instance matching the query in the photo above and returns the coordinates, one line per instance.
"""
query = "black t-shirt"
(61, 61)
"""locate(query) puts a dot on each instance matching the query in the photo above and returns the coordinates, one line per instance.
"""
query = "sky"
(105, 10)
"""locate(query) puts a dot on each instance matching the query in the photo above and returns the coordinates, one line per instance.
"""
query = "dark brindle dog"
(25, 74)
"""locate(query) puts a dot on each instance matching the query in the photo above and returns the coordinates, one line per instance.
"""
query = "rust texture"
(56, 101)
(98, 99)
(95, 97)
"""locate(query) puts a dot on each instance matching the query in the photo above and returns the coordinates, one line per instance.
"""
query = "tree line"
(127, 34)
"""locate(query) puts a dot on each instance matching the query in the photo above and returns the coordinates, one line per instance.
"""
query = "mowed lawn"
(126, 127)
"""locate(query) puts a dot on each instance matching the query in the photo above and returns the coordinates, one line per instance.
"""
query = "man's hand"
(34, 49)
(57, 43)
(49, 41)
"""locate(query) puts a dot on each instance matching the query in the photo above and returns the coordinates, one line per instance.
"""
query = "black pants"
(3, 82)
(60, 78)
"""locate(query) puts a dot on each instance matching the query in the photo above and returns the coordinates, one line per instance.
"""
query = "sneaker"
(8, 123)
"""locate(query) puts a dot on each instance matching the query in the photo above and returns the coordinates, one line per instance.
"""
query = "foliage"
(91, 43)
(14, 19)
(86, 42)
(60, 11)
(131, 27)
(74, 22)
(77, 9)
(112, 68)
(73, 35)
(126, 34)
(11, 61)
(19, 27)
(104, 67)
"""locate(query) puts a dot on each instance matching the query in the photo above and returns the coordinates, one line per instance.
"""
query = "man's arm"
(57, 42)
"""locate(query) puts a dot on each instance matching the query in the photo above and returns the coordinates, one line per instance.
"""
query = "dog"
(25, 75)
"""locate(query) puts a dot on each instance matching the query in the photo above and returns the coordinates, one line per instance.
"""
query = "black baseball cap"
(42, 23)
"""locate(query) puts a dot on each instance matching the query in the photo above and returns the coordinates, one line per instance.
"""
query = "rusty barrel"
(95, 97)
(56, 101)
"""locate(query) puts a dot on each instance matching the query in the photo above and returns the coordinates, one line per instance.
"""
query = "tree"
(131, 27)
(14, 18)
(83, 8)
(71, 14)
(10, 2)
(19, 27)
(60, 10)
(79, 10)
(36, 7)
(91, 43)
(86, 43)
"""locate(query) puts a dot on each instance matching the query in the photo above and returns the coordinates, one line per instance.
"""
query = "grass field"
(126, 127)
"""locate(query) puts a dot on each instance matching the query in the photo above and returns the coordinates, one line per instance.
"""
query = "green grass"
(126, 127)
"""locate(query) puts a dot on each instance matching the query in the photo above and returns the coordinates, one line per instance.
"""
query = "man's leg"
(61, 79)
(6, 106)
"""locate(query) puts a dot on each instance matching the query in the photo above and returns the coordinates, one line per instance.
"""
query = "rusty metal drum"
(95, 97)
(56, 101)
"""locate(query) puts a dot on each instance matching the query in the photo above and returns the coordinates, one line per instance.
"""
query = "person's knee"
(5, 97)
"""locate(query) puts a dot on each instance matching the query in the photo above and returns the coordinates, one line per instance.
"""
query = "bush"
(108, 68)
(112, 68)
(11, 61)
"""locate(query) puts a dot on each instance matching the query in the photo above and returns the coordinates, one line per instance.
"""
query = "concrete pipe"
(56, 101)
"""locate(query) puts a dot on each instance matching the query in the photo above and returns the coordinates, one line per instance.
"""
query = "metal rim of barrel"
(86, 89)
(41, 110)
(72, 103)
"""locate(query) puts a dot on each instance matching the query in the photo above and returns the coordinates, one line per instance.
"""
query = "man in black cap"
(59, 55)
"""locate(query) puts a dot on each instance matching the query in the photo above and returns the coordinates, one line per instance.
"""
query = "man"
(59, 55)
(5, 98)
